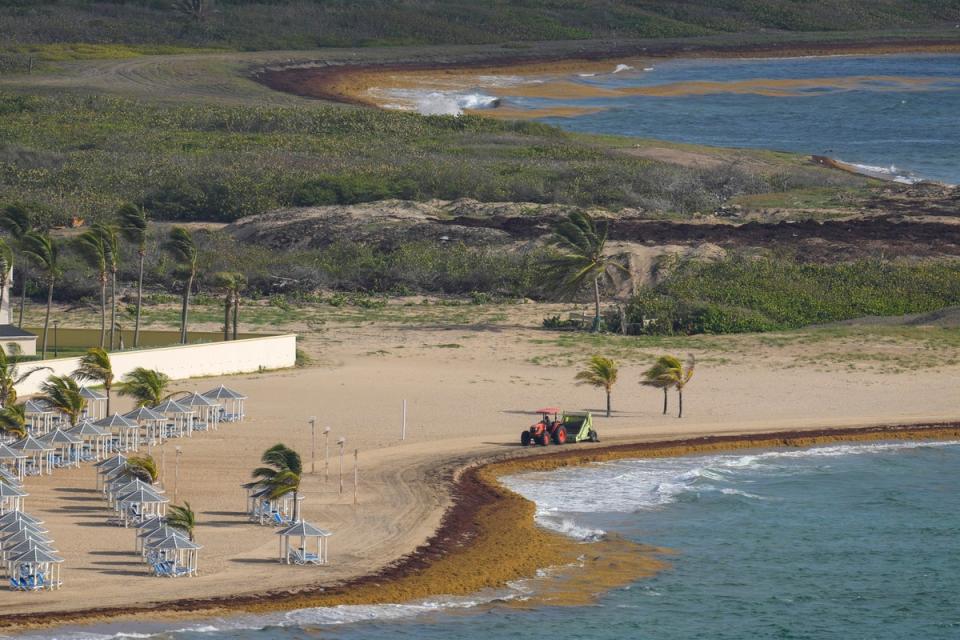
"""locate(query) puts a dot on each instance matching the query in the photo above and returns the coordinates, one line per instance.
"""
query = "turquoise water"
(896, 112)
(847, 541)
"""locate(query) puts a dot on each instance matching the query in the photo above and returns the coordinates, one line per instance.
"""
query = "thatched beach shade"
(66, 448)
(151, 421)
(206, 410)
(40, 414)
(181, 416)
(13, 461)
(300, 555)
(134, 507)
(96, 403)
(37, 569)
(231, 400)
(127, 431)
(93, 438)
(183, 553)
(37, 454)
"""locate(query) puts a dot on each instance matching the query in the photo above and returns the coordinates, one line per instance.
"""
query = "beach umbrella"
(142, 496)
(6, 453)
(21, 536)
(28, 545)
(143, 414)
(30, 444)
(224, 393)
(96, 401)
(87, 429)
(207, 409)
(15, 458)
(36, 556)
(125, 427)
(173, 542)
(304, 531)
(182, 416)
(59, 437)
(112, 462)
(11, 516)
(197, 400)
(9, 491)
(36, 407)
(229, 398)
(92, 394)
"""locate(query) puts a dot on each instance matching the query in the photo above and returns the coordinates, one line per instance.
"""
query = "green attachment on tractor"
(579, 427)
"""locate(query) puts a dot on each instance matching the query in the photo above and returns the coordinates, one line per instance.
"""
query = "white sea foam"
(890, 173)
(435, 103)
(622, 67)
(628, 486)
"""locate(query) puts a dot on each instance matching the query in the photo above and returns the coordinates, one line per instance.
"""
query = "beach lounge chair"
(279, 520)
(16, 585)
(296, 557)
(312, 558)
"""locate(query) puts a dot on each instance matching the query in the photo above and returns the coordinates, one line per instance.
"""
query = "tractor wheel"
(560, 435)
(543, 439)
(525, 439)
(593, 436)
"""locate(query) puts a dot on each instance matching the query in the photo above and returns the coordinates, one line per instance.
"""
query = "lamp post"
(56, 343)
(326, 454)
(341, 442)
(313, 444)
(176, 476)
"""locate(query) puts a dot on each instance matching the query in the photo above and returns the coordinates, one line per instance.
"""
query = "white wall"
(182, 361)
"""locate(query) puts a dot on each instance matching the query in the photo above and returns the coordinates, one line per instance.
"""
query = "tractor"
(560, 428)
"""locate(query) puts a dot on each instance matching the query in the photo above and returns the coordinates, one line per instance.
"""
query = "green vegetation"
(742, 294)
(82, 156)
(305, 24)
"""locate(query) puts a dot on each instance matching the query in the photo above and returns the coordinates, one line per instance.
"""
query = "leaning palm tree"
(583, 260)
(133, 226)
(45, 251)
(63, 394)
(679, 376)
(184, 250)
(10, 374)
(17, 221)
(95, 365)
(144, 468)
(148, 387)
(13, 420)
(182, 518)
(6, 269)
(92, 246)
(658, 378)
(601, 372)
(111, 242)
(231, 283)
(281, 475)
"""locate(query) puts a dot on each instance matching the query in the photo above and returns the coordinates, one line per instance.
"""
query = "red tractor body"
(550, 427)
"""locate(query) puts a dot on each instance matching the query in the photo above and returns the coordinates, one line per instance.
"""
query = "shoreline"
(465, 554)
(348, 83)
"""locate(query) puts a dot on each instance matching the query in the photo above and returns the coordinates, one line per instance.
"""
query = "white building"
(9, 332)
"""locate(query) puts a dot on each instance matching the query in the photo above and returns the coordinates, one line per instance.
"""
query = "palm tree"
(182, 518)
(13, 420)
(679, 376)
(600, 372)
(63, 394)
(232, 283)
(17, 221)
(656, 376)
(583, 259)
(144, 468)
(10, 375)
(45, 251)
(148, 387)
(281, 475)
(133, 226)
(92, 245)
(95, 365)
(6, 268)
(184, 250)
(111, 242)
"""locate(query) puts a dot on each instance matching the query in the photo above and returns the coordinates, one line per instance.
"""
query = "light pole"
(176, 476)
(356, 474)
(56, 343)
(313, 445)
(341, 442)
(326, 454)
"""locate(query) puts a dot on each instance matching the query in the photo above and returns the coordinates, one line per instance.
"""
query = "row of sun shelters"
(52, 443)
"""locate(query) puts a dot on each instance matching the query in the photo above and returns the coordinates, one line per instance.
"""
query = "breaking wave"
(440, 103)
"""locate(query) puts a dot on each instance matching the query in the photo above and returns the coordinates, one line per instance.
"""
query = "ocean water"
(895, 114)
(847, 541)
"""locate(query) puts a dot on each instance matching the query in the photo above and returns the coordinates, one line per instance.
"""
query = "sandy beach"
(470, 391)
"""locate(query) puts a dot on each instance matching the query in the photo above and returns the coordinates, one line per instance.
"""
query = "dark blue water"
(848, 541)
(881, 111)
